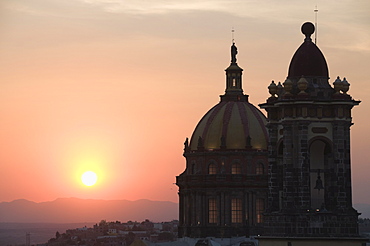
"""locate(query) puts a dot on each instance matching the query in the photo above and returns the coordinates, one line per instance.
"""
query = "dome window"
(236, 210)
(260, 208)
(236, 168)
(259, 169)
(212, 169)
(193, 168)
(212, 211)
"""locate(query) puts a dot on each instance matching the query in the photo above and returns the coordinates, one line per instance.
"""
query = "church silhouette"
(285, 178)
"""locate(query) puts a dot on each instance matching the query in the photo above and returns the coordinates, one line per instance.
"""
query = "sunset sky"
(116, 86)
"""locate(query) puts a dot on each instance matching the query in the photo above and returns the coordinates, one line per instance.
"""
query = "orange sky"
(115, 87)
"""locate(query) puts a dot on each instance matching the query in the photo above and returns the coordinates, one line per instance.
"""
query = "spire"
(234, 90)
(316, 10)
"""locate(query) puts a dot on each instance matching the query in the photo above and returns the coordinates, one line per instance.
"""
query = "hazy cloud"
(157, 7)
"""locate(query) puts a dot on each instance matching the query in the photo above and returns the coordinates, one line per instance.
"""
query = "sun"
(89, 178)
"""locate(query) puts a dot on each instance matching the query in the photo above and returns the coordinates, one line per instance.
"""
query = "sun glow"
(89, 178)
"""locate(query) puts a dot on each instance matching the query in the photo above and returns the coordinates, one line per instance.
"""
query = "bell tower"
(309, 150)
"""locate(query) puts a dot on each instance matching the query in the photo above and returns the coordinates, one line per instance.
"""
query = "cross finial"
(316, 10)
(232, 34)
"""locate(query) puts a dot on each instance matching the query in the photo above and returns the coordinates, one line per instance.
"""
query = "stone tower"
(223, 190)
(309, 150)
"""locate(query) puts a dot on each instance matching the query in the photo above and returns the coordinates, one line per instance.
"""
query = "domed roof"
(234, 123)
(231, 125)
(308, 59)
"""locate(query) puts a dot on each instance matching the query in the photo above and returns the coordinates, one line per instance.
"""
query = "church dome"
(308, 61)
(231, 125)
(234, 123)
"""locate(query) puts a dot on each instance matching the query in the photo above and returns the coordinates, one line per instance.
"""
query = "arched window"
(193, 168)
(260, 169)
(236, 168)
(281, 148)
(212, 169)
(318, 156)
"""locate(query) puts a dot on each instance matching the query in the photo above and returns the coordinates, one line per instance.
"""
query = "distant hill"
(74, 210)
(364, 209)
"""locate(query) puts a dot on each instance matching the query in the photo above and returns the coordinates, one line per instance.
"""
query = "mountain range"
(364, 209)
(73, 210)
